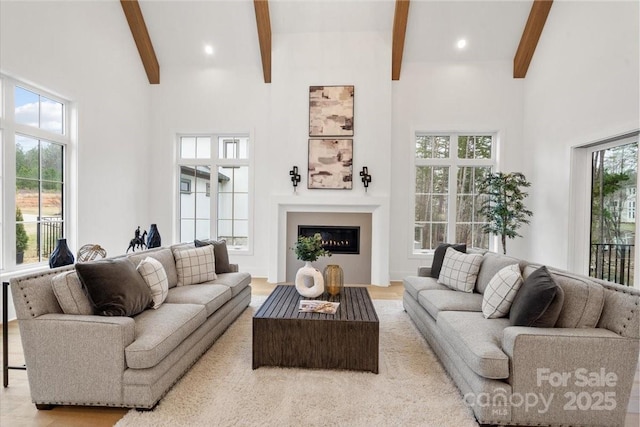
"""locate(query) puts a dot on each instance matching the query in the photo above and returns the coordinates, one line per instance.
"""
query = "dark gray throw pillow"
(534, 298)
(220, 254)
(438, 256)
(115, 287)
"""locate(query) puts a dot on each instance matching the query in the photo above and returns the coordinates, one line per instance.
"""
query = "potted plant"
(309, 281)
(504, 206)
(22, 239)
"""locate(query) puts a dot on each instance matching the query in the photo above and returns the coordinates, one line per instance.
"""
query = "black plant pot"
(19, 257)
(153, 238)
(61, 255)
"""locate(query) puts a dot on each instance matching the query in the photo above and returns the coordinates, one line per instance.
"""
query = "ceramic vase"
(333, 279)
(153, 238)
(309, 281)
(61, 255)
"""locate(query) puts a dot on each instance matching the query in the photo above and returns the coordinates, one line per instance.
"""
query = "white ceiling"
(180, 28)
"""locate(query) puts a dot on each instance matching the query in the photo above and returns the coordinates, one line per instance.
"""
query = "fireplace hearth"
(336, 239)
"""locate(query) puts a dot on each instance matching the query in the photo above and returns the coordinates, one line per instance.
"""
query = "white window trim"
(8, 129)
(215, 162)
(453, 162)
(580, 202)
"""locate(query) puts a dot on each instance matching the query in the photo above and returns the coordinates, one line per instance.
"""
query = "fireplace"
(336, 239)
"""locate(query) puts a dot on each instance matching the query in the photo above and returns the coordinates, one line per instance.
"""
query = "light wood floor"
(16, 409)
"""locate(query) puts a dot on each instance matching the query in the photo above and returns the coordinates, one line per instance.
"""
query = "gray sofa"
(79, 359)
(579, 372)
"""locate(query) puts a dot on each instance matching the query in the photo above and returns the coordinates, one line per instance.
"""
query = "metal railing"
(49, 232)
(612, 262)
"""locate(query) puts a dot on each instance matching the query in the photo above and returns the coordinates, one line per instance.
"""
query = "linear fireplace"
(336, 239)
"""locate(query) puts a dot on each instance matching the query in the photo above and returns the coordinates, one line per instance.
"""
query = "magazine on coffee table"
(313, 306)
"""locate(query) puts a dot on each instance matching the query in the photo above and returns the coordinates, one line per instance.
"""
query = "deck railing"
(612, 262)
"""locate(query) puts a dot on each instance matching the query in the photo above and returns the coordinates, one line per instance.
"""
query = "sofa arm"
(234, 268)
(424, 271)
(570, 376)
(74, 359)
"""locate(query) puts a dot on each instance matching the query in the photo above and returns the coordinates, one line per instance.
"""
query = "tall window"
(34, 133)
(226, 159)
(448, 168)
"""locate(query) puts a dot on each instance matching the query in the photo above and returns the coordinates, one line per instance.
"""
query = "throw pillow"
(71, 296)
(195, 265)
(438, 256)
(533, 299)
(220, 253)
(155, 277)
(114, 286)
(459, 271)
(501, 291)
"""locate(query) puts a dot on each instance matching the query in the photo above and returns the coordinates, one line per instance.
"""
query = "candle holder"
(295, 177)
(366, 178)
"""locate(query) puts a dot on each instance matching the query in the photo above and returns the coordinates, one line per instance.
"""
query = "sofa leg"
(44, 406)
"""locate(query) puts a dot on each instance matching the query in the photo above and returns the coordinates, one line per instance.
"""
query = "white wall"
(472, 96)
(582, 86)
(84, 52)
(226, 99)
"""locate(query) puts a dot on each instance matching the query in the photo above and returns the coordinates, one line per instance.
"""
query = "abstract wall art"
(331, 110)
(330, 164)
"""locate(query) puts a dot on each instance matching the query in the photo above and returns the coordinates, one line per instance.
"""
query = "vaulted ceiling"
(241, 31)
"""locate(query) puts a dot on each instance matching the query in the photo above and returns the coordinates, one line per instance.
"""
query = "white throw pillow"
(460, 271)
(70, 294)
(501, 291)
(195, 265)
(155, 277)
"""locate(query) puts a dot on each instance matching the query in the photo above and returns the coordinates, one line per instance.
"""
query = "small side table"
(5, 337)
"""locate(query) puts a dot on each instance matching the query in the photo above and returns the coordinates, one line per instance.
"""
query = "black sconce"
(295, 177)
(366, 178)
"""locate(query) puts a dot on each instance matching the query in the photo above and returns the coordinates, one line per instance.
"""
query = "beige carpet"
(222, 389)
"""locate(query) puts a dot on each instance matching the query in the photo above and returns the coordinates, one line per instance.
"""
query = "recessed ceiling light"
(208, 49)
(462, 43)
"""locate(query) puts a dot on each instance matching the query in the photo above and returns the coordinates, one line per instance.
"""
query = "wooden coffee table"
(283, 336)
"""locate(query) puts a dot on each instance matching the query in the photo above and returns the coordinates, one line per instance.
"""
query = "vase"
(61, 255)
(309, 281)
(153, 238)
(333, 279)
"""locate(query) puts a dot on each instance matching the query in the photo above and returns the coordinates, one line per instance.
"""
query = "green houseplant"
(504, 206)
(22, 239)
(309, 248)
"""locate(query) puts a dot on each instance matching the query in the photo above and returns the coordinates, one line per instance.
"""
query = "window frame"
(453, 163)
(9, 129)
(214, 162)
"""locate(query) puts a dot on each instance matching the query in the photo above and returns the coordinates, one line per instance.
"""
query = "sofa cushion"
(583, 300)
(533, 299)
(211, 296)
(220, 253)
(70, 294)
(435, 301)
(459, 271)
(114, 286)
(491, 264)
(165, 256)
(501, 291)
(414, 284)
(155, 277)
(235, 281)
(438, 256)
(195, 265)
(478, 341)
(158, 332)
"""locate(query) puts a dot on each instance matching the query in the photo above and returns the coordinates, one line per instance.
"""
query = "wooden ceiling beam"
(140, 35)
(263, 21)
(400, 19)
(530, 36)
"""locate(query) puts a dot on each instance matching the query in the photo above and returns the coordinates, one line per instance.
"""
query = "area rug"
(221, 389)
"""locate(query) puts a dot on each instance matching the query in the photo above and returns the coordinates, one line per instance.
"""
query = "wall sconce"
(366, 178)
(295, 177)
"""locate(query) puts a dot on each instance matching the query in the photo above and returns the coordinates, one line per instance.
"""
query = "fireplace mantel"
(377, 206)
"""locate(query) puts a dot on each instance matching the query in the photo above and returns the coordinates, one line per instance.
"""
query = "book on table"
(313, 306)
